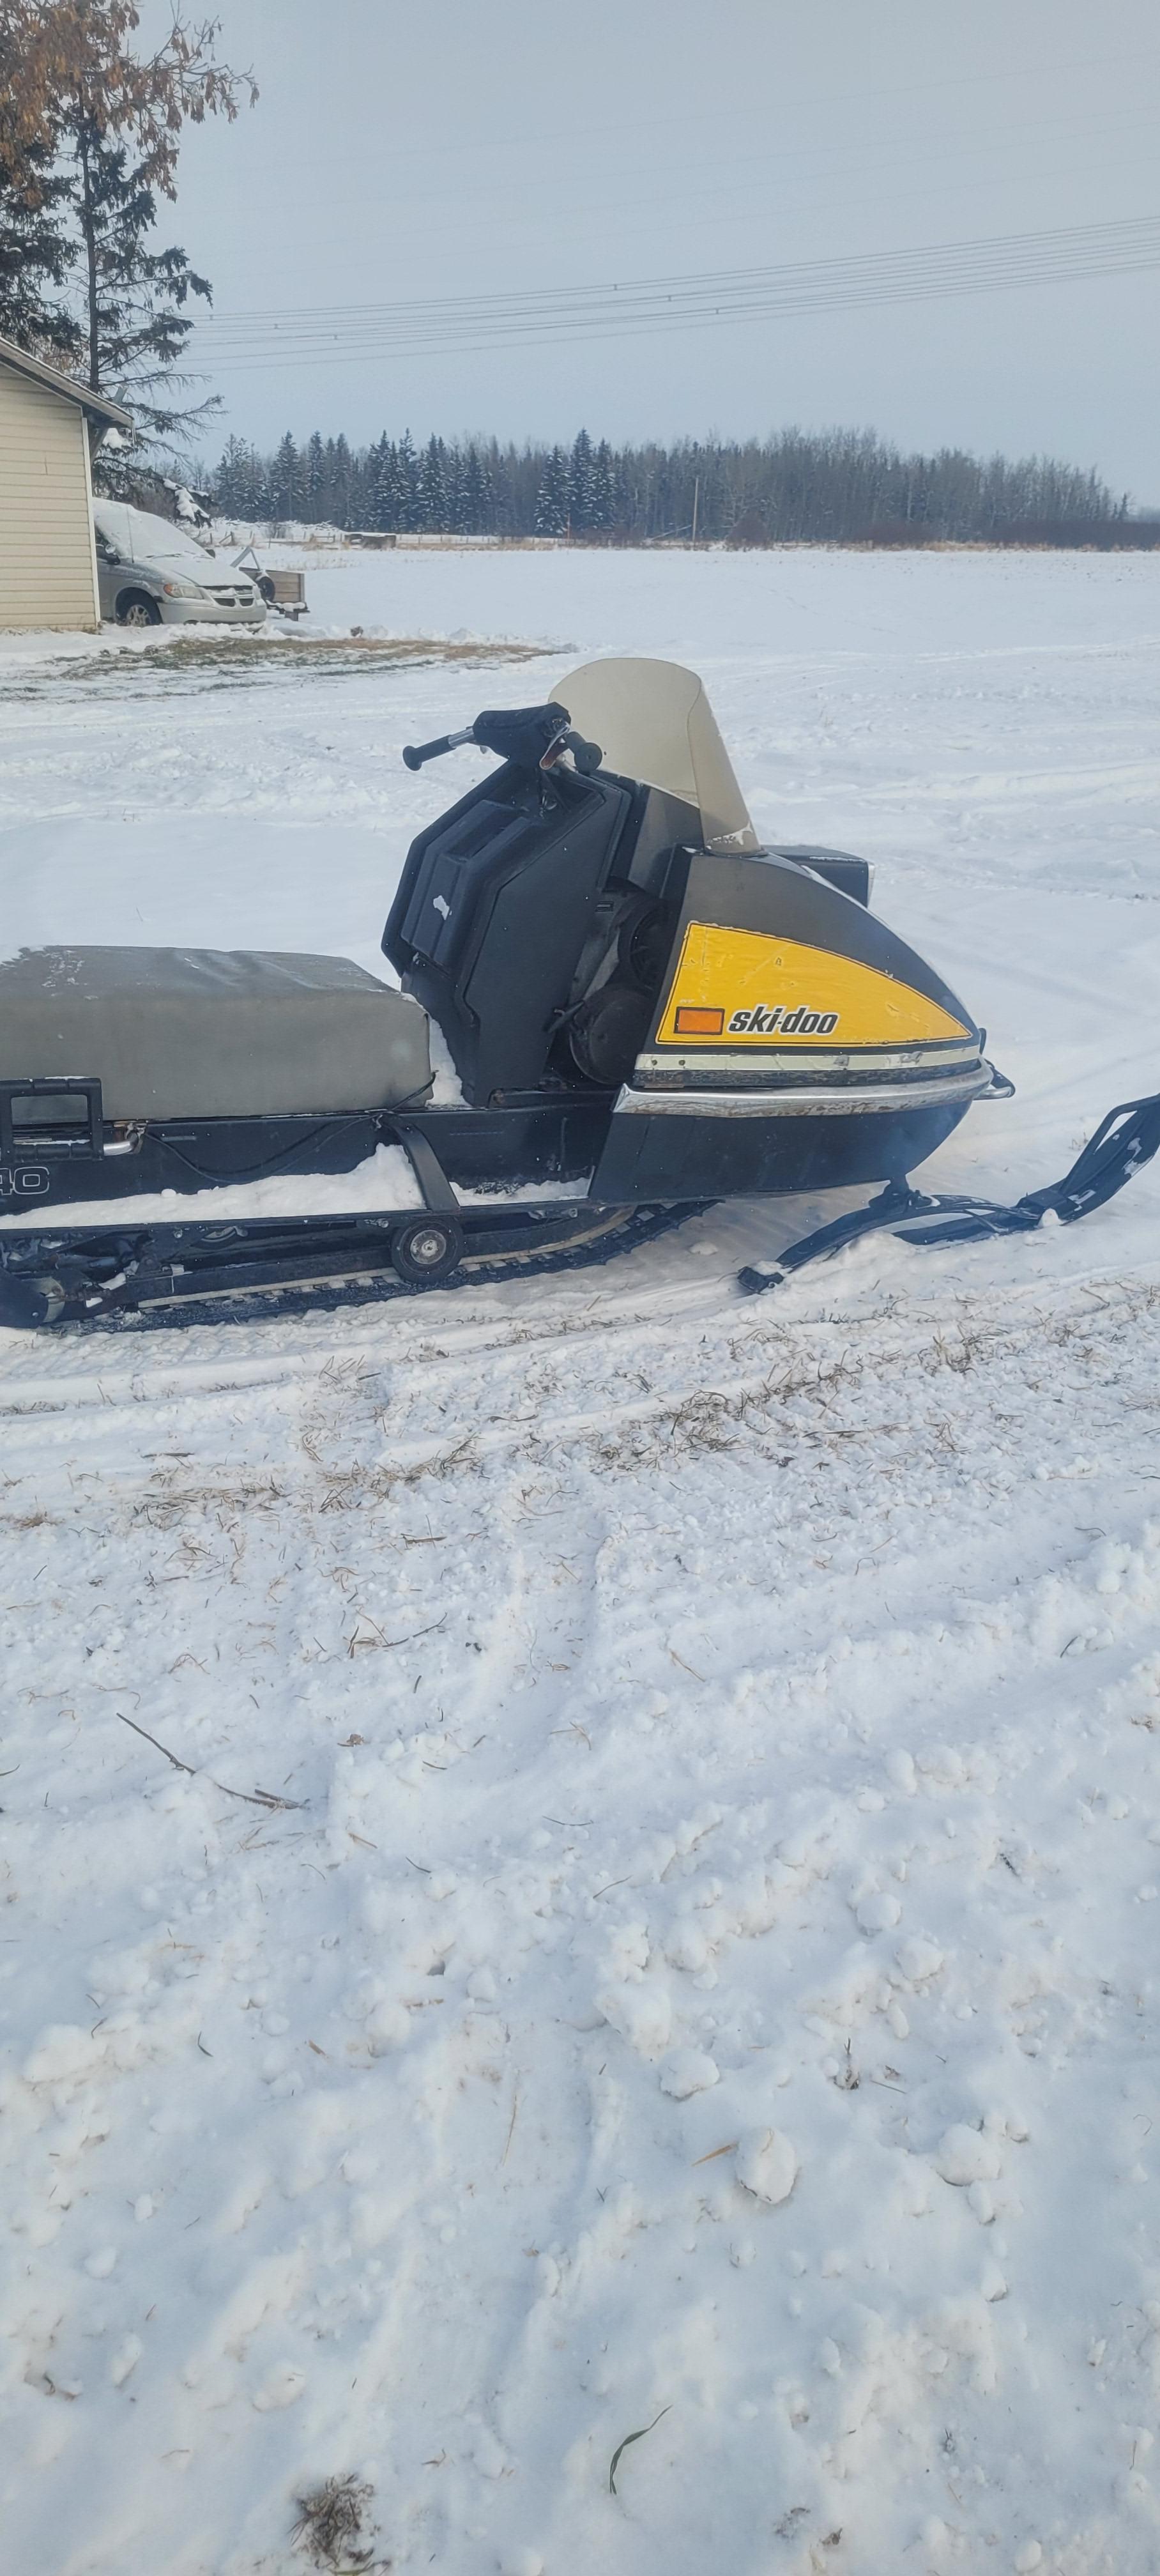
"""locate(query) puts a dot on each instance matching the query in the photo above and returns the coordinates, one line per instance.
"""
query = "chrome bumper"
(818, 1100)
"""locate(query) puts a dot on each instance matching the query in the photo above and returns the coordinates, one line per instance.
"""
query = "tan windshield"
(654, 722)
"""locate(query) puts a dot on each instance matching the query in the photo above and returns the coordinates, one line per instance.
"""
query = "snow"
(141, 537)
(766, 2165)
(642, 1915)
(384, 1179)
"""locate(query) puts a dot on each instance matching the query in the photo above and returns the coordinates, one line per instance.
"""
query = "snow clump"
(966, 2155)
(686, 2071)
(767, 2165)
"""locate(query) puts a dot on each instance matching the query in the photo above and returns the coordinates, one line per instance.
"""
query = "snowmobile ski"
(1123, 1143)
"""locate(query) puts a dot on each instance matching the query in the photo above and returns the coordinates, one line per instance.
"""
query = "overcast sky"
(444, 149)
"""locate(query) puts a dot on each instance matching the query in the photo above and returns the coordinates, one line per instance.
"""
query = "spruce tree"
(395, 511)
(35, 253)
(455, 484)
(135, 324)
(284, 481)
(552, 497)
(379, 484)
(580, 485)
(231, 481)
(343, 476)
(314, 477)
(408, 485)
(432, 514)
(261, 473)
(602, 506)
(476, 495)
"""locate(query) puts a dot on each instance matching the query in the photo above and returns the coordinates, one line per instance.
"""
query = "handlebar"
(530, 737)
(415, 753)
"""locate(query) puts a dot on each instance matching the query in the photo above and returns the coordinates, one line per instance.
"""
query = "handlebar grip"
(415, 753)
(586, 755)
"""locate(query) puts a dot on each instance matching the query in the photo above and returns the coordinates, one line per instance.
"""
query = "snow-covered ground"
(702, 1967)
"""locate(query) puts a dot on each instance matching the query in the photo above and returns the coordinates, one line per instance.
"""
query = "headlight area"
(184, 590)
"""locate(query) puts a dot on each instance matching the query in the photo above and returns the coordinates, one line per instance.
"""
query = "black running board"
(1123, 1143)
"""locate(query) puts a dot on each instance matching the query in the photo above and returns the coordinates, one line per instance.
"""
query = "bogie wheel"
(428, 1248)
(138, 610)
(27, 1302)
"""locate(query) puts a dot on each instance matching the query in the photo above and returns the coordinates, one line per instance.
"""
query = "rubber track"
(643, 1225)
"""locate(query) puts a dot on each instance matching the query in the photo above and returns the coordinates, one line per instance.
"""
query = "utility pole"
(696, 498)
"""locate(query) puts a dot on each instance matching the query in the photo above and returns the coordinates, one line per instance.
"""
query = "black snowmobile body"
(645, 1009)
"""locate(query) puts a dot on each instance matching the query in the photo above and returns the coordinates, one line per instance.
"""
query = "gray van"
(151, 573)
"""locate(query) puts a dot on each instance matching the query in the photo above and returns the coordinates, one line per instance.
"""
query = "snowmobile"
(646, 1011)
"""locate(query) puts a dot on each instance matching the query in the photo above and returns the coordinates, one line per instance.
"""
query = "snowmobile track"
(641, 1226)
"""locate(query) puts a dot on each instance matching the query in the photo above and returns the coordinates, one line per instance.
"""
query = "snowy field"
(704, 1967)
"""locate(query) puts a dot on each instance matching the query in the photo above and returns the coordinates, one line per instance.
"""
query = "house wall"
(47, 562)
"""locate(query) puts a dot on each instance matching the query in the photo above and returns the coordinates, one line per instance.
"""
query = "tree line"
(834, 485)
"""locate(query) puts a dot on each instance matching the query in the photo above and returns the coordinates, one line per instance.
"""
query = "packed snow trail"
(656, 1911)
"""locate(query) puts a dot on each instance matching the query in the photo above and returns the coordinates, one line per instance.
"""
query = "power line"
(644, 306)
(710, 280)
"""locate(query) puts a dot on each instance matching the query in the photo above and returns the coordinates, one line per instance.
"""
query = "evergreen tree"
(35, 253)
(602, 504)
(284, 481)
(314, 477)
(580, 485)
(455, 480)
(432, 511)
(342, 481)
(509, 518)
(380, 484)
(408, 486)
(231, 481)
(552, 497)
(136, 327)
(476, 495)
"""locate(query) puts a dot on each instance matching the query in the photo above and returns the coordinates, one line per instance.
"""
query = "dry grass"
(332, 2527)
(239, 660)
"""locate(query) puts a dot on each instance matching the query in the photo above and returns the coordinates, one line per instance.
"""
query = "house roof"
(112, 415)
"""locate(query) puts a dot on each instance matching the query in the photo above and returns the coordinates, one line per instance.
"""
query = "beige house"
(48, 566)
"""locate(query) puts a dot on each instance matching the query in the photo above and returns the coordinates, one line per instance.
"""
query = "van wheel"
(427, 1249)
(135, 608)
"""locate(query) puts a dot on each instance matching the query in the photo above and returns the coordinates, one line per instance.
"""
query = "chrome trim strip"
(127, 1143)
(863, 1101)
(758, 1062)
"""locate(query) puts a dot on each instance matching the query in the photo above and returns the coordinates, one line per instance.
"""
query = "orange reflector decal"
(691, 1023)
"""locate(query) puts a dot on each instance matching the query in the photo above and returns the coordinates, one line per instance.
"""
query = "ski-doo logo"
(764, 1020)
(26, 1181)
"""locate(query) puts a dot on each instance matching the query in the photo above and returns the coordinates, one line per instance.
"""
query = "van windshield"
(138, 537)
(654, 722)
